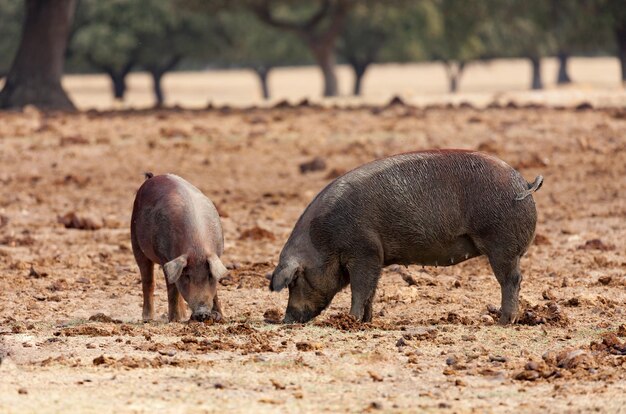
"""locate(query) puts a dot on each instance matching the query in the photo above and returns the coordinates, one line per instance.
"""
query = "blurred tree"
(453, 35)
(254, 45)
(317, 22)
(11, 18)
(370, 28)
(119, 35)
(576, 28)
(35, 75)
(614, 11)
(519, 28)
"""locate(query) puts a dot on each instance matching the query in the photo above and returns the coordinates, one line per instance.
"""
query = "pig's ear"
(174, 268)
(283, 277)
(218, 270)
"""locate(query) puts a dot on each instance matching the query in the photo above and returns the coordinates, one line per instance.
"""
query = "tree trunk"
(324, 55)
(157, 73)
(536, 68)
(263, 74)
(620, 37)
(563, 75)
(359, 69)
(118, 80)
(454, 72)
(157, 77)
(35, 76)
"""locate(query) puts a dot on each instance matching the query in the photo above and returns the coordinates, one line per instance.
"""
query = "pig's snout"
(201, 313)
(299, 316)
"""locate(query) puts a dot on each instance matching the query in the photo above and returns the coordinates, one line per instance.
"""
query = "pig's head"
(196, 281)
(309, 292)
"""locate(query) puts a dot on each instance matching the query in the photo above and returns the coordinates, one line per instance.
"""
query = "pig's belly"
(438, 254)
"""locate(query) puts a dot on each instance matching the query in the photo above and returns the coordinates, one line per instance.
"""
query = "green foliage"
(11, 18)
(116, 33)
(256, 45)
(375, 32)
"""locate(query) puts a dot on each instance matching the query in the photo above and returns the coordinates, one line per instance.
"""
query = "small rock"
(401, 342)
(451, 360)
(22, 391)
(497, 358)
(316, 164)
(596, 244)
(605, 280)
(531, 366)
(72, 220)
(527, 375)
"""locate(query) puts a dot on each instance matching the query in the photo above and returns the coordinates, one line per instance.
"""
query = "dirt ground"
(71, 338)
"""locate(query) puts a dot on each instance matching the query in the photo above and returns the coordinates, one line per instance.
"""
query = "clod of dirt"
(173, 133)
(101, 317)
(611, 344)
(375, 376)
(256, 233)
(103, 360)
(621, 331)
(307, 346)
(277, 384)
(36, 274)
(73, 140)
(273, 315)
(487, 320)
(573, 358)
(605, 280)
(334, 173)
(490, 146)
(81, 222)
(241, 329)
(89, 330)
(316, 164)
(4, 220)
(550, 314)
(22, 391)
(541, 240)
(596, 244)
(530, 160)
(342, 321)
(455, 319)
(396, 101)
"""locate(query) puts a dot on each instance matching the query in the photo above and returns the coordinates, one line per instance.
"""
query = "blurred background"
(83, 54)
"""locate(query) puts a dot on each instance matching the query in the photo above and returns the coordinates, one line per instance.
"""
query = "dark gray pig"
(433, 208)
(176, 226)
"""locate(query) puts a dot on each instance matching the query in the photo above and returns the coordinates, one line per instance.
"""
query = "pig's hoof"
(506, 320)
(216, 316)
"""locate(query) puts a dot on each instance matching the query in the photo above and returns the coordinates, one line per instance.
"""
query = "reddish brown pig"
(434, 208)
(176, 226)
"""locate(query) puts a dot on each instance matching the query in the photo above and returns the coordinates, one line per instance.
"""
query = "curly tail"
(148, 175)
(532, 187)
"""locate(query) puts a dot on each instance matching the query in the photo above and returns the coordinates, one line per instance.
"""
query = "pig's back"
(426, 197)
(170, 214)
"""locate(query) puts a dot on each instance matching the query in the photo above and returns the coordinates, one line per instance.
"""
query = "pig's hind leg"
(364, 273)
(509, 276)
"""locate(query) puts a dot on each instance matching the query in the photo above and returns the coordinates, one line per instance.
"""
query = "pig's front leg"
(176, 304)
(216, 313)
(364, 274)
